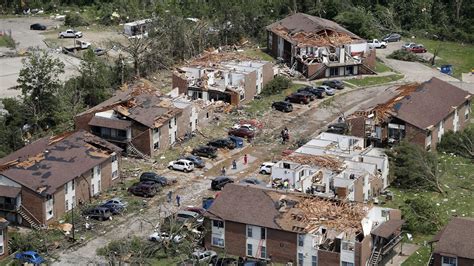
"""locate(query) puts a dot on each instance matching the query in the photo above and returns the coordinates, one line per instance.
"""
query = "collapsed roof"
(306, 30)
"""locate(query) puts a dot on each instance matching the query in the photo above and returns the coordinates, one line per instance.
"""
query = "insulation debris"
(313, 39)
(326, 161)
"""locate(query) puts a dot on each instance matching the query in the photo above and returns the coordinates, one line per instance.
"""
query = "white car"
(163, 236)
(204, 256)
(408, 45)
(247, 126)
(266, 168)
(70, 34)
(377, 44)
(182, 165)
(329, 91)
(189, 216)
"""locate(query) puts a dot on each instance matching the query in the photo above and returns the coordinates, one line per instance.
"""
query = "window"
(314, 261)
(300, 240)
(218, 224)
(301, 173)
(345, 263)
(67, 205)
(300, 259)
(449, 261)
(263, 252)
(73, 185)
(263, 233)
(156, 146)
(249, 250)
(216, 241)
(114, 174)
(249, 231)
(169, 124)
(334, 71)
(348, 246)
(174, 121)
(65, 188)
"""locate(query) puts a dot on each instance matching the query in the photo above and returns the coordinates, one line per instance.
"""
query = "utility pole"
(73, 227)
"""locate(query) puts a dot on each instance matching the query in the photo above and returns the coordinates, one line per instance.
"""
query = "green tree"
(460, 143)
(276, 85)
(96, 79)
(360, 21)
(421, 215)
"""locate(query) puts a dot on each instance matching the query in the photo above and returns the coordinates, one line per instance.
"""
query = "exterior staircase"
(368, 69)
(131, 149)
(375, 258)
(317, 73)
(27, 216)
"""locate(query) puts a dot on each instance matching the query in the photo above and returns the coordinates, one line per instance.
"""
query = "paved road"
(413, 71)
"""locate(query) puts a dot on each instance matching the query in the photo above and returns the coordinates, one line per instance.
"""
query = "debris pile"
(213, 57)
(314, 39)
(326, 161)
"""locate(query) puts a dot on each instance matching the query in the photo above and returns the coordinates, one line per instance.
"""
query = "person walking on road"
(223, 171)
(245, 159)
(234, 164)
(178, 200)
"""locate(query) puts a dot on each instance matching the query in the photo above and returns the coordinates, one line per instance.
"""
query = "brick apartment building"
(454, 245)
(141, 121)
(419, 113)
(40, 182)
(270, 225)
(223, 76)
(319, 48)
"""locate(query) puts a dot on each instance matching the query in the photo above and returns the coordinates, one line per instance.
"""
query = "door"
(95, 181)
(49, 208)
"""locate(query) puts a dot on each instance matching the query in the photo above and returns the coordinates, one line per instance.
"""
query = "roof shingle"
(457, 238)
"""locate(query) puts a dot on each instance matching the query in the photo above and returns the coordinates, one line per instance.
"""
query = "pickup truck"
(70, 34)
(78, 45)
(377, 44)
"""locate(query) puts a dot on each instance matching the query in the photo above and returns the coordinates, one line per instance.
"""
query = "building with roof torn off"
(250, 221)
(334, 166)
(319, 48)
(230, 77)
(418, 113)
(40, 182)
(454, 245)
(141, 121)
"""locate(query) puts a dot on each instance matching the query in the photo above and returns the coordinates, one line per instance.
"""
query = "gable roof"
(457, 238)
(430, 103)
(50, 162)
(313, 27)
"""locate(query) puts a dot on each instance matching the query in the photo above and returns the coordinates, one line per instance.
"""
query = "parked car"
(418, 49)
(116, 201)
(309, 94)
(297, 98)
(98, 213)
(154, 177)
(408, 45)
(181, 165)
(377, 44)
(205, 151)
(246, 126)
(31, 257)
(335, 84)
(99, 51)
(266, 168)
(328, 90)
(226, 262)
(197, 161)
(318, 93)
(165, 237)
(197, 210)
(144, 189)
(189, 216)
(242, 132)
(219, 182)
(204, 256)
(337, 128)
(37, 26)
(113, 208)
(252, 181)
(222, 143)
(282, 106)
(392, 37)
(70, 34)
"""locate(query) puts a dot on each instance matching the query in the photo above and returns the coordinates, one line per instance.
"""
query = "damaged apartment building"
(282, 227)
(42, 181)
(319, 48)
(418, 113)
(336, 167)
(141, 121)
(230, 77)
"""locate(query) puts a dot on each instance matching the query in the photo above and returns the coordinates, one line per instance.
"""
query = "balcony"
(8, 207)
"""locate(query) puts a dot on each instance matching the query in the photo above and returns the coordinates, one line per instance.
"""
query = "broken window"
(218, 224)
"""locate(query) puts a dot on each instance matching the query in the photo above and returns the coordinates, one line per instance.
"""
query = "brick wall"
(183, 121)
(370, 59)
(274, 48)
(461, 261)
(143, 141)
(267, 72)
(59, 206)
(34, 203)
(180, 83)
(164, 137)
(362, 251)
(281, 246)
(313, 68)
(235, 241)
(415, 135)
(83, 187)
(328, 258)
(461, 111)
(357, 126)
(250, 86)
(82, 122)
(359, 190)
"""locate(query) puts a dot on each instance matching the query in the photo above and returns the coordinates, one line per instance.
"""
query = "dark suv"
(205, 151)
(310, 95)
(282, 106)
(219, 182)
(297, 98)
(336, 84)
(144, 189)
(315, 91)
(99, 213)
(153, 177)
(222, 143)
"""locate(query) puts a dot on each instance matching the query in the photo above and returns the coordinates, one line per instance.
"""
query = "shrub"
(404, 55)
(75, 20)
(421, 215)
(460, 143)
(277, 85)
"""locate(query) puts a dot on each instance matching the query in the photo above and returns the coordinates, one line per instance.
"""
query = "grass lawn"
(461, 56)
(458, 182)
(259, 54)
(258, 107)
(381, 67)
(369, 81)
(7, 41)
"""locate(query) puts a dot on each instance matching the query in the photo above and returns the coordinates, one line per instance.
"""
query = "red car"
(199, 210)
(242, 132)
(418, 49)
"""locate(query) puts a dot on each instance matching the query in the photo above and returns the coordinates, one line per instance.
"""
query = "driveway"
(413, 71)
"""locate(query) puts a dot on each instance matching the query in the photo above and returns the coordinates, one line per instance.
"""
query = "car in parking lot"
(418, 49)
(335, 84)
(98, 213)
(242, 132)
(144, 189)
(181, 165)
(165, 237)
(314, 91)
(117, 202)
(222, 143)
(226, 262)
(310, 95)
(154, 177)
(204, 256)
(282, 106)
(37, 26)
(219, 182)
(205, 151)
(408, 45)
(113, 208)
(266, 168)
(30, 256)
(297, 98)
(392, 37)
(252, 181)
(70, 34)
(197, 161)
(328, 90)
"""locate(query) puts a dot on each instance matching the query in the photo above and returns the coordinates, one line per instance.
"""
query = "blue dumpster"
(447, 69)
(239, 142)
(207, 202)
